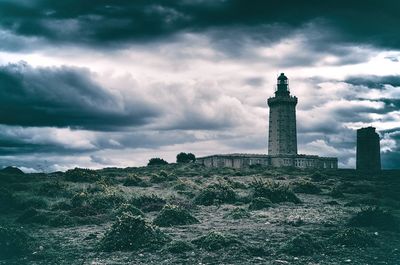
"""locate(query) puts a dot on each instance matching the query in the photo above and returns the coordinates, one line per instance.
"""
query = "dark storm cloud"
(105, 21)
(64, 97)
(373, 81)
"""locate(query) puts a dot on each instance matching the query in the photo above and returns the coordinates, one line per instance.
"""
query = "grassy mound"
(81, 175)
(353, 237)
(237, 213)
(148, 203)
(260, 203)
(179, 246)
(302, 245)
(317, 176)
(13, 242)
(273, 191)
(336, 192)
(216, 193)
(130, 209)
(132, 233)
(172, 215)
(87, 204)
(305, 186)
(215, 241)
(162, 176)
(135, 180)
(375, 217)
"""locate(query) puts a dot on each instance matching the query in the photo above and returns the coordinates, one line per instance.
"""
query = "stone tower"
(282, 138)
(368, 150)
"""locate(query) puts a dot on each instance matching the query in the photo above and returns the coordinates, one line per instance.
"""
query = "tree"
(185, 158)
(157, 162)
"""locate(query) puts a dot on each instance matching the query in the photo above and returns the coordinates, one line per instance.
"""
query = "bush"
(7, 200)
(336, 192)
(134, 180)
(157, 162)
(237, 213)
(162, 176)
(317, 176)
(216, 193)
(13, 242)
(274, 191)
(172, 215)
(214, 241)
(305, 187)
(185, 158)
(353, 237)
(302, 245)
(52, 189)
(178, 246)
(375, 217)
(33, 202)
(85, 204)
(33, 216)
(128, 208)
(81, 175)
(260, 203)
(132, 233)
(148, 203)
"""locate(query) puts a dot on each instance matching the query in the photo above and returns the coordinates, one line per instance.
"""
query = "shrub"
(52, 189)
(148, 203)
(302, 245)
(237, 213)
(214, 241)
(132, 233)
(33, 202)
(317, 176)
(216, 193)
(336, 192)
(172, 215)
(353, 237)
(134, 180)
(33, 216)
(85, 204)
(274, 191)
(375, 217)
(7, 200)
(185, 158)
(81, 175)
(13, 242)
(128, 208)
(179, 246)
(260, 203)
(305, 187)
(157, 162)
(162, 176)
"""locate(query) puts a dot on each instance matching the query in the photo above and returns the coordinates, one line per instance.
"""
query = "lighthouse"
(282, 138)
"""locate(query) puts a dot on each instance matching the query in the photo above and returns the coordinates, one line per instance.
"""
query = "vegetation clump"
(172, 215)
(305, 186)
(237, 213)
(52, 189)
(8, 200)
(273, 191)
(162, 176)
(353, 237)
(135, 180)
(185, 158)
(216, 193)
(157, 162)
(302, 245)
(13, 242)
(260, 203)
(131, 232)
(148, 203)
(317, 176)
(81, 175)
(375, 217)
(130, 209)
(179, 246)
(336, 192)
(215, 241)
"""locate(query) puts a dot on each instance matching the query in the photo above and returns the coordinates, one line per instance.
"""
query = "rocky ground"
(188, 214)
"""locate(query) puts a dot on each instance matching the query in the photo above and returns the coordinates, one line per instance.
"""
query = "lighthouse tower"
(282, 138)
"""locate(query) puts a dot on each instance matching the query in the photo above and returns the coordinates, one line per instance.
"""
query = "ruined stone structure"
(282, 141)
(368, 150)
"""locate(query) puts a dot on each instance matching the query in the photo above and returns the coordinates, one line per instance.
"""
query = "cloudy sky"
(114, 83)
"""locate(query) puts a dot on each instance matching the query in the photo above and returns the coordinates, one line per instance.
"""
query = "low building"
(245, 160)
